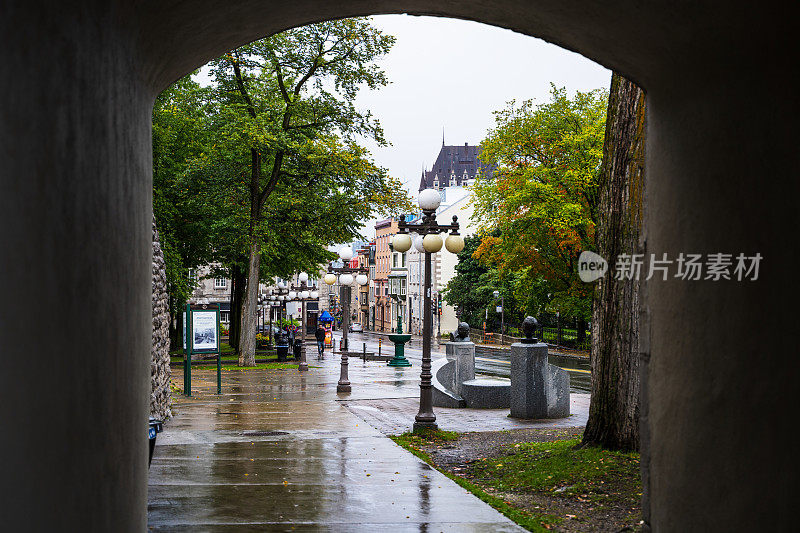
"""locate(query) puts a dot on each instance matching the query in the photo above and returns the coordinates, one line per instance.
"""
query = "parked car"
(355, 326)
(264, 329)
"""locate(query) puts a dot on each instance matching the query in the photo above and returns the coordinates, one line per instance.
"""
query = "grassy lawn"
(228, 354)
(260, 366)
(542, 485)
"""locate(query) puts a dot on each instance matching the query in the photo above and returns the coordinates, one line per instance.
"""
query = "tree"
(285, 115)
(539, 210)
(614, 409)
(471, 290)
(179, 135)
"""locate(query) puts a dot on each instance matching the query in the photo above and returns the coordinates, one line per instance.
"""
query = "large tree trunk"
(238, 285)
(247, 322)
(614, 410)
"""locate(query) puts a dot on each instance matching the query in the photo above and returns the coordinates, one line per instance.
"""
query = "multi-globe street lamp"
(303, 293)
(280, 294)
(429, 241)
(346, 281)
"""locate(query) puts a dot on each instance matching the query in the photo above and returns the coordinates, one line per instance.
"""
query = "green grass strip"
(530, 521)
(260, 366)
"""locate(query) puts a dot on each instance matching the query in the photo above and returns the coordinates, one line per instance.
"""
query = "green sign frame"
(201, 335)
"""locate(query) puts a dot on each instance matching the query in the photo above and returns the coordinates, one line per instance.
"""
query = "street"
(499, 365)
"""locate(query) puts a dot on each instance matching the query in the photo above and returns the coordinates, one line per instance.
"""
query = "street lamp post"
(346, 280)
(502, 313)
(305, 293)
(428, 229)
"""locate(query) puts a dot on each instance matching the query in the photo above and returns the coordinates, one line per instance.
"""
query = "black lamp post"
(346, 280)
(428, 230)
(502, 312)
(305, 293)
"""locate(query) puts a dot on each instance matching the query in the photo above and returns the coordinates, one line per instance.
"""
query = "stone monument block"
(538, 389)
(462, 354)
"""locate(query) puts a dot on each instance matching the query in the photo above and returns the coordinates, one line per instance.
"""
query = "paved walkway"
(282, 451)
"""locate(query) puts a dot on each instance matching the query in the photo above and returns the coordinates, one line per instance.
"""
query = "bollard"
(219, 372)
(364, 351)
(379, 347)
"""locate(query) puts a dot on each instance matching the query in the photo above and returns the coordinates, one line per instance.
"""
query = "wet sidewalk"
(282, 451)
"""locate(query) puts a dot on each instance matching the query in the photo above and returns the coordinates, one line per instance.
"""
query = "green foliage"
(284, 168)
(539, 211)
(471, 290)
(179, 135)
(269, 154)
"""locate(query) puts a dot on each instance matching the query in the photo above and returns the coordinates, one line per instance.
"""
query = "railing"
(554, 336)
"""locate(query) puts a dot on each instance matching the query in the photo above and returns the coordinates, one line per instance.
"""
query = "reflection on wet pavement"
(277, 451)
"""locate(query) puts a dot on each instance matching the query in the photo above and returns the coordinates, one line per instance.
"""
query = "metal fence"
(558, 336)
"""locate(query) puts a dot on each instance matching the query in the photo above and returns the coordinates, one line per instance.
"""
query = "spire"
(442, 135)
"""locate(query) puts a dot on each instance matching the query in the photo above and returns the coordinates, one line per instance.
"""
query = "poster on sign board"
(204, 330)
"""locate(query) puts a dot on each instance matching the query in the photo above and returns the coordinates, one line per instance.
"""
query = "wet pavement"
(282, 451)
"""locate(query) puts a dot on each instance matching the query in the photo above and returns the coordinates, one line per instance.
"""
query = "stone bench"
(487, 393)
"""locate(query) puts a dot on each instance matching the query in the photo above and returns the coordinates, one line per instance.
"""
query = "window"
(225, 316)
(220, 283)
(402, 286)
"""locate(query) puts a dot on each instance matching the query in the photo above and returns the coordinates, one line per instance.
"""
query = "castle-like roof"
(460, 163)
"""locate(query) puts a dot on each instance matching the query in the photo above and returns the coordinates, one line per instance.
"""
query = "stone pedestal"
(462, 354)
(538, 389)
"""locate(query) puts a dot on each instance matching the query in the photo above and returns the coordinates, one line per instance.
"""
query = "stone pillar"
(75, 202)
(538, 389)
(720, 363)
(462, 354)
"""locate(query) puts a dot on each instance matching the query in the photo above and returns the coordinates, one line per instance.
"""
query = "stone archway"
(77, 82)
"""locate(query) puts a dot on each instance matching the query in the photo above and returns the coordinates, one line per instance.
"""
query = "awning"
(325, 316)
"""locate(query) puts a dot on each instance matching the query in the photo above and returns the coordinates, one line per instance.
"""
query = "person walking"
(319, 334)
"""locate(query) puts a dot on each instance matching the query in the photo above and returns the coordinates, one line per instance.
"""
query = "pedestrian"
(320, 336)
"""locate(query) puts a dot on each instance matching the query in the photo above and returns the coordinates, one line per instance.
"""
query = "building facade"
(384, 230)
(211, 290)
(455, 166)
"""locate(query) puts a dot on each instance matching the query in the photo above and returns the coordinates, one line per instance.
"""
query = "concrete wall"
(77, 81)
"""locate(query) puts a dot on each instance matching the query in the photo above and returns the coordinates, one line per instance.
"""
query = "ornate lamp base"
(425, 426)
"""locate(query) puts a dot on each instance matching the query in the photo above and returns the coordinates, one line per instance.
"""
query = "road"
(579, 371)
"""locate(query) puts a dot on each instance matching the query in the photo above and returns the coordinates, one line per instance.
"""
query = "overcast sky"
(453, 74)
(450, 75)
